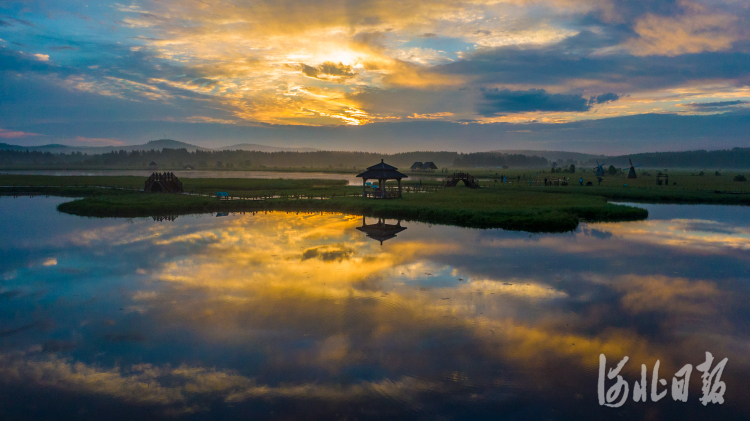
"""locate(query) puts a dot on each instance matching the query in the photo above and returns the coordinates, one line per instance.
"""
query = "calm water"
(286, 316)
(351, 178)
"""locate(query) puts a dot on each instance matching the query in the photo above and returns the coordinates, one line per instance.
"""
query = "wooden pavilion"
(381, 172)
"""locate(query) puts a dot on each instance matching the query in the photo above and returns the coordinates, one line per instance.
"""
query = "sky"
(598, 76)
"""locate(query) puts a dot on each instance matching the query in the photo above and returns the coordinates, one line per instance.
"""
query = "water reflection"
(302, 316)
(164, 218)
(380, 231)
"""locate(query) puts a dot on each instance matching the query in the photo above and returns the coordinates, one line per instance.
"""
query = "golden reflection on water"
(258, 283)
(295, 271)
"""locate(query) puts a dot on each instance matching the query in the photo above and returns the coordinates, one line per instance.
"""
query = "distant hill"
(152, 144)
(52, 147)
(262, 148)
(96, 150)
(161, 144)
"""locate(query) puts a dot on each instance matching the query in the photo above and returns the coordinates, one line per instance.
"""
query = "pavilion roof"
(381, 231)
(382, 171)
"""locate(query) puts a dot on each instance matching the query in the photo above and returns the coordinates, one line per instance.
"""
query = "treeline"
(182, 158)
(729, 158)
(493, 159)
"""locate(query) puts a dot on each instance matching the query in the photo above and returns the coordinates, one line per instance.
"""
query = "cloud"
(11, 134)
(317, 64)
(668, 295)
(604, 98)
(186, 387)
(328, 253)
(328, 70)
(498, 101)
(710, 106)
(21, 21)
(430, 116)
(695, 31)
(98, 141)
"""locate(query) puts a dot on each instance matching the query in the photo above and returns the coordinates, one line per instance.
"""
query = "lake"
(350, 178)
(329, 316)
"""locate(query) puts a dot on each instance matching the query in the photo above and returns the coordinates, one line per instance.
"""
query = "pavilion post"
(399, 187)
(364, 187)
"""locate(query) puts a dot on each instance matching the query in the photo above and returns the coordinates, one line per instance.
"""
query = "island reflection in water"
(302, 316)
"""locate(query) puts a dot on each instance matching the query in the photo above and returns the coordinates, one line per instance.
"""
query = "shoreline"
(524, 208)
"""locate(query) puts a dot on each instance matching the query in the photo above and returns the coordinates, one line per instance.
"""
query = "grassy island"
(516, 209)
(496, 205)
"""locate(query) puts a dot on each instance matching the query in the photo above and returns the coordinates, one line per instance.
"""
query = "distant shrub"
(701, 173)
(740, 177)
(717, 173)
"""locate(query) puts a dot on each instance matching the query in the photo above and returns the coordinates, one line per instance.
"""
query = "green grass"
(529, 211)
(233, 186)
(510, 206)
(517, 209)
(689, 189)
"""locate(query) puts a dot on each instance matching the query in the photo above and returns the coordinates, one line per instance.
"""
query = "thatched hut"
(163, 183)
(429, 166)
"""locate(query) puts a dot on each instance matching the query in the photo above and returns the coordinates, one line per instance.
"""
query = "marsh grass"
(509, 206)
(516, 209)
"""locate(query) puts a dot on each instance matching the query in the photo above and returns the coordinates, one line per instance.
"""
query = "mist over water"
(304, 316)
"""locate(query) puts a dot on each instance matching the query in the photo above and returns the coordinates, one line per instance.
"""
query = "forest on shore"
(181, 158)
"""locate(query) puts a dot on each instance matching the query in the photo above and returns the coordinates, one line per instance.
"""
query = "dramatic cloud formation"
(269, 63)
(499, 101)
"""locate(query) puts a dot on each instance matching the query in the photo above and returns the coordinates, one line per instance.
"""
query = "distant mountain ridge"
(263, 148)
(152, 144)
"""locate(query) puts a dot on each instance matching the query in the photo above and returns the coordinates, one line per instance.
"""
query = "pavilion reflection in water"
(381, 231)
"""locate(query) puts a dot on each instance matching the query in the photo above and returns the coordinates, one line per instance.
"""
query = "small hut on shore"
(381, 172)
(163, 183)
(426, 167)
(429, 166)
(152, 165)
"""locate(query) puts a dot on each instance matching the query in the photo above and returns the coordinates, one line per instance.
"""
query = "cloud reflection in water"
(304, 308)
